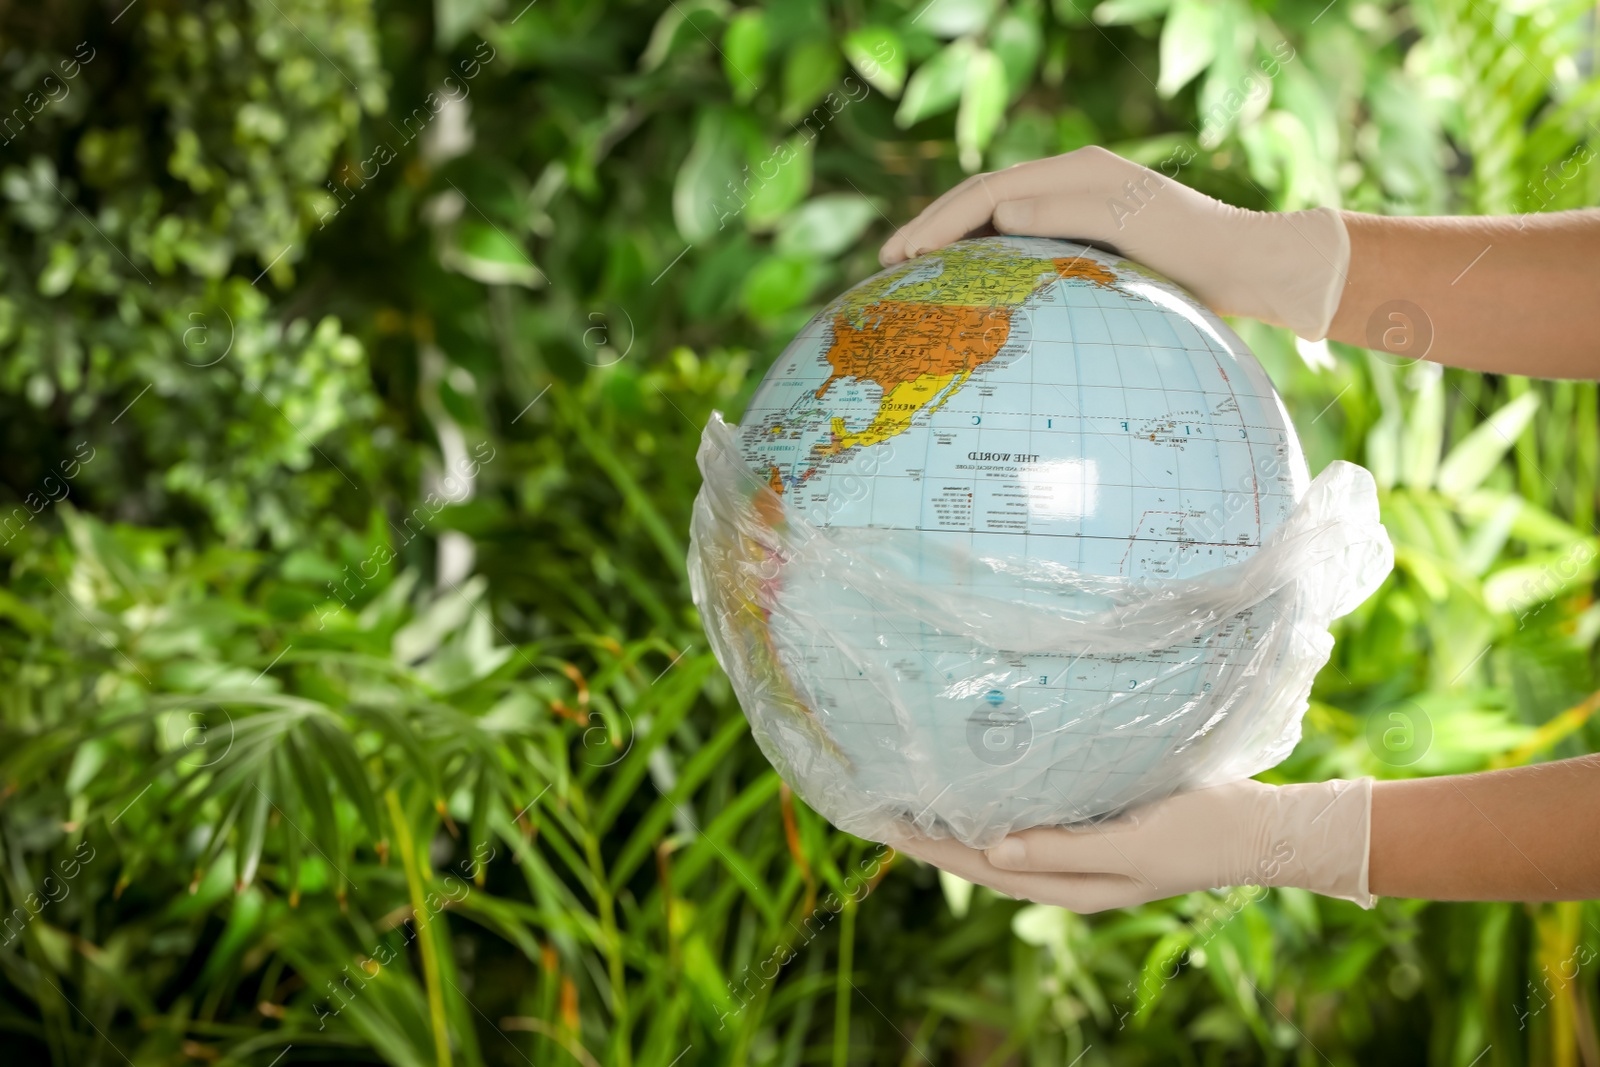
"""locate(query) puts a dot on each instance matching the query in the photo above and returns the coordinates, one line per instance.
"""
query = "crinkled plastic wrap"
(885, 672)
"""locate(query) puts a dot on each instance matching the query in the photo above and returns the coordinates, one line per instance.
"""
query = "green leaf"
(1533, 524)
(957, 893)
(443, 616)
(879, 56)
(648, 829)
(983, 105)
(1233, 89)
(1188, 43)
(810, 71)
(701, 196)
(1017, 41)
(254, 832)
(936, 85)
(778, 284)
(825, 225)
(486, 253)
(238, 934)
(780, 181)
(1041, 925)
(1423, 436)
(744, 53)
(954, 18)
(1488, 538)
(86, 763)
(336, 749)
(1123, 12)
(314, 791)
(682, 22)
(452, 19)
(1541, 577)
(58, 273)
(675, 698)
(1470, 462)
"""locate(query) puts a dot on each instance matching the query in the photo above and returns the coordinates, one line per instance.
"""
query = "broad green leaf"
(1017, 41)
(1234, 88)
(811, 70)
(453, 19)
(442, 617)
(1040, 924)
(936, 85)
(777, 284)
(744, 53)
(953, 18)
(704, 194)
(86, 763)
(779, 181)
(1470, 462)
(983, 105)
(485, 252)
(681, 24)
(58, 273)
(879, 56)
(825, 225)
(1161, 965)
(1188, 43)
(471, 655)
(22, 613)
(1122, 12)
(1029, 133)
(1075, 129)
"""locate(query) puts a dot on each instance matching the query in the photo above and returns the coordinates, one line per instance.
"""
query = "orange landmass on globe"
(914, 353)
(1084, 269)
(919, 353)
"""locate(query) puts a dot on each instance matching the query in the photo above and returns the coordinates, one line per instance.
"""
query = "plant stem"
(427, 939)
(843, 986)
(605, 906)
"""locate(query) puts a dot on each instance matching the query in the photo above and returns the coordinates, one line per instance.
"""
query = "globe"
(986, 449)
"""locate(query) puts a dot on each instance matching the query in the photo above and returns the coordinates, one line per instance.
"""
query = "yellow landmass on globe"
(971, 275)
(896, 409)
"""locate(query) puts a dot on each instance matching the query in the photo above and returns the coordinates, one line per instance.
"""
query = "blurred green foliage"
(354, 359)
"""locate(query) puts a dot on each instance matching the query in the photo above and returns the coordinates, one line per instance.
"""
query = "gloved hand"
(1313, 836)
(1284, 268)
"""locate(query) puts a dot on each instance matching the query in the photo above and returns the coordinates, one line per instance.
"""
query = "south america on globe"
(1018, 533)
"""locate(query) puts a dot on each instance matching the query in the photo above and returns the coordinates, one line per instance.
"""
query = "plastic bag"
(892, 704)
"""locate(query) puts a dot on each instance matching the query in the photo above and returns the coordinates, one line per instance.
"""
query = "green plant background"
(354, 706)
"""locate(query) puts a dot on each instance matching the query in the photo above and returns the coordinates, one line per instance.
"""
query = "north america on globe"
(1036, 343)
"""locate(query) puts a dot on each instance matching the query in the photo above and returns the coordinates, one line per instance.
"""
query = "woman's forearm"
(1506, 294)
(1525, 833)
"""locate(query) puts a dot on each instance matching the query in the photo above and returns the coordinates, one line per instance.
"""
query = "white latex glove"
(1284, 268)
(1313, 836)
